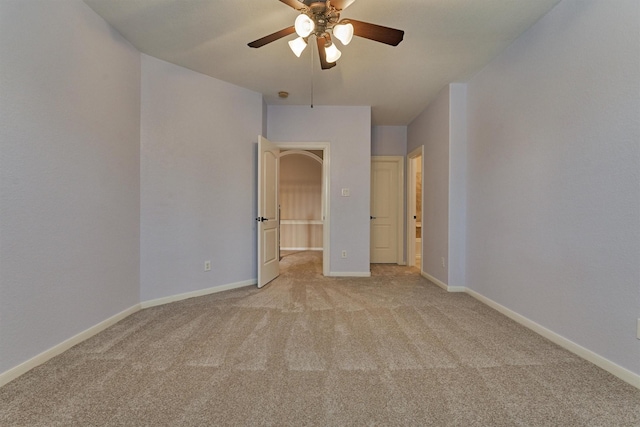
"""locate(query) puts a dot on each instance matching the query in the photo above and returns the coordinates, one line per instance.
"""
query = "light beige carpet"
(392, 349)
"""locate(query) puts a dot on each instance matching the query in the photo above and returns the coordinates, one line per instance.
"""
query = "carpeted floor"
(392, 349)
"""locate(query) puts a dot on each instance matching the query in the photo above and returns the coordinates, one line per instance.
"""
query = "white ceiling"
(445, 41)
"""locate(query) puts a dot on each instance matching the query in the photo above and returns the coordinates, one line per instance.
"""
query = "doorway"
(304, 199)
(300, 198)
(414, 211)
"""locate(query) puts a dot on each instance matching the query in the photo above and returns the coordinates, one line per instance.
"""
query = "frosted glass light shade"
(344, 33)
(332, 52)
(297, 46)
(304, 25)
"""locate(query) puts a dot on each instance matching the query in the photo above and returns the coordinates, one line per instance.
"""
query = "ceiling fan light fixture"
(321, 18)
(332, 53)
(343, 32)
(297, 46)
(304, 25)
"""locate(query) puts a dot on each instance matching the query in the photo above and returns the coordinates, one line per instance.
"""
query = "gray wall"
(69, 175)
(457, 185)
(431, 130)
(389, 141)
(553, 221)
(198, 145)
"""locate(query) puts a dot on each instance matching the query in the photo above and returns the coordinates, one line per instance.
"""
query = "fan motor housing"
(318, 8)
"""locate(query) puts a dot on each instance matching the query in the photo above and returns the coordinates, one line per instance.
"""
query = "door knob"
(372, 217)
(262, 219)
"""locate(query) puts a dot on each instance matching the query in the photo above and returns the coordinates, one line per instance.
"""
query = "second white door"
(385, 213)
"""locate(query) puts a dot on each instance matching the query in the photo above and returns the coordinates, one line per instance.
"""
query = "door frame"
(326, 191)
(399, 160)
(411, 204)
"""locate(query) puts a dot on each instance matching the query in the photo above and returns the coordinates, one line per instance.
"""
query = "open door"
(268, 221)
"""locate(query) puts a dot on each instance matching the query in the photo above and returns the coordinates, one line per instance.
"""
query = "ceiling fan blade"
(272, 37)
(323, 55)
(293, 3)
(378, 33)
(341, 4)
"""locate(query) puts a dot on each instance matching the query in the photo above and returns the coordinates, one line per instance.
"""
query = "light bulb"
(304, 25)
(343, 32)
(332, 53)
(297, 46)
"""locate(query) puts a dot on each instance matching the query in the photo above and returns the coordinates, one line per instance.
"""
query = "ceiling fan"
(321, 18)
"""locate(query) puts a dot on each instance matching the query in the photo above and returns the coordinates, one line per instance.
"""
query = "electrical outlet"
(207, 266)
(346, 193)
(344, 254)
(442, 261)
(638, 330)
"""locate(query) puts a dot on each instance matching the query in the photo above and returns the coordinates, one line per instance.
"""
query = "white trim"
(301, 249)
(399, 160)
(65, 345)
(300, 222)
(326, 195)
(350, 274)
(434, 280)
(326, 229)
(302, 153)
(401, 213)
(600, 361)
(609, 366)
(15, 372)
(411, 202)
(442, 284)
(199, 293)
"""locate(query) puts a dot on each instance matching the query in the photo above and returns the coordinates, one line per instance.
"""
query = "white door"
(268, 221)
(384, 211)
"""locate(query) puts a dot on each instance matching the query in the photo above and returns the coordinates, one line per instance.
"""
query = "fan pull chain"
(311, 51)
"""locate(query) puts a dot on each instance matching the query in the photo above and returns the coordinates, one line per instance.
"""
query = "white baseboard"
(15, 372)
(442, 284)
(22, 368)
(349, 274)
(434, 280)
(609, 366)
(199, 293)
